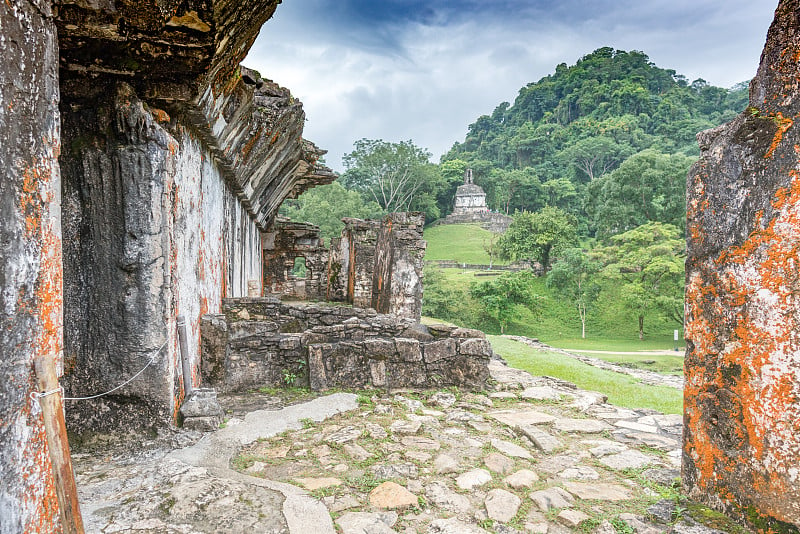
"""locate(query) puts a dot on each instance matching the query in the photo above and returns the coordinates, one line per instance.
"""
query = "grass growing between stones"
(622, 390)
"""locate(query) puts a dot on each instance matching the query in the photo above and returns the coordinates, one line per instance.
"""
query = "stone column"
(30, 257)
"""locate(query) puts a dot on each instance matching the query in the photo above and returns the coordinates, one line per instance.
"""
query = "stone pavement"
(534, 455)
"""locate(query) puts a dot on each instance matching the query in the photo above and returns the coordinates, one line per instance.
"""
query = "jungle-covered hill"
(608, 139)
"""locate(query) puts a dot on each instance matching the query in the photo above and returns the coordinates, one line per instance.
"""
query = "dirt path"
(636, 352)
(648, 377)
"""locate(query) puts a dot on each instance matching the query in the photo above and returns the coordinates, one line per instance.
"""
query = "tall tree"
(491, 245)
(648, 186)
(500, 296)
(326, 205)
(647, 265)
(593, 157)
(538, 236)
(573, 276)
(397, 176)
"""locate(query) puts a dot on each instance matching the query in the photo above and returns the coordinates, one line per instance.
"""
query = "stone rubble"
(387, 466)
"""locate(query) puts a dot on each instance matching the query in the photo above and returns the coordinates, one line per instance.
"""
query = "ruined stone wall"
(176, 159)
(283, 243)
(375, 264)
(401, 290)
(378, 264)
(494, 222)
(158, 225)
(30, 261)
(742, 395)
(259, 342)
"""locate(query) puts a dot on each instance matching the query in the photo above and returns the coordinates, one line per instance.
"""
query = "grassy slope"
(556, 322)
(459, 242)
(610, 327)
(622, 390)
(660, 363)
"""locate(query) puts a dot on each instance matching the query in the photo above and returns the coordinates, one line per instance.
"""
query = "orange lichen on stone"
(160, 115)
(49, 293)
(784, 123)
(753, 288)
(248, 147)
(761, 341)
(38, 476)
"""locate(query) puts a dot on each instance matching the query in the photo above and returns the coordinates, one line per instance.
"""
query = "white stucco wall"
(215, 244)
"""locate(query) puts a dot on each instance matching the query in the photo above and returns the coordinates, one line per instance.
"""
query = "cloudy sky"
(425, 69)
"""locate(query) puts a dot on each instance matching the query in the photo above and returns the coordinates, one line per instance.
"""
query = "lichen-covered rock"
(742, 396)
(30, 257)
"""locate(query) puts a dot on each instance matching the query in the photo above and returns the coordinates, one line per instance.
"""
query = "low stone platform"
(259, 342)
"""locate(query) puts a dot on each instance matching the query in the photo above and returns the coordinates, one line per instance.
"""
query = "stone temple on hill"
(470, 198)
(470, 207)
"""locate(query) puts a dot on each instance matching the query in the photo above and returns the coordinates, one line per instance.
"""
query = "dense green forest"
(609, 139)
(591, 162)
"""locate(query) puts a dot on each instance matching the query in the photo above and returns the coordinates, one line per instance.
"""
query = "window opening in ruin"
(299, 270)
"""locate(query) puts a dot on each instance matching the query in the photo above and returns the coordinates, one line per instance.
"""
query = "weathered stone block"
(402, 374)
(213, 346)
(475, 347)
(377, 370)
(317, 374)
(290, 342)
(439, 350)
(417, 331)
(742, 440)
(460, 371)
(467, 333)
(408, 350)
(202, 402)
(248, 329)
(379, 349)
(441, 330)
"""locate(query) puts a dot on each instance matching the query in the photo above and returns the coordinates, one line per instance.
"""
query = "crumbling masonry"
(374, 264)
(141, 165)
(134, 147)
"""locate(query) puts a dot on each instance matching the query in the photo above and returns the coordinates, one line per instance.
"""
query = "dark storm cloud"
(424, 70)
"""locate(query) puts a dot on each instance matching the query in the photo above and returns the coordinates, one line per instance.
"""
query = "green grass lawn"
(622, 390)
(459, 242)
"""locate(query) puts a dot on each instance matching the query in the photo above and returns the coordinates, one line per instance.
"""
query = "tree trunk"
(641, 327)
(582, 314)
(546, 259)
